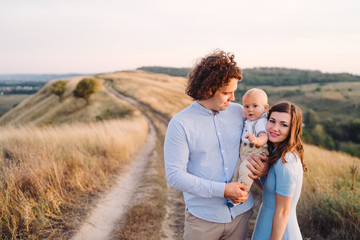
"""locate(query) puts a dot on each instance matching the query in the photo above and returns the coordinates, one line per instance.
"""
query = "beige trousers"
(198, 229)
(241, 173)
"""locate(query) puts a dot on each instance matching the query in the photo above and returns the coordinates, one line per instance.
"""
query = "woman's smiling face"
(278, 127)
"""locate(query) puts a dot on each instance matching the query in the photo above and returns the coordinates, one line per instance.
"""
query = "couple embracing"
(202, 149)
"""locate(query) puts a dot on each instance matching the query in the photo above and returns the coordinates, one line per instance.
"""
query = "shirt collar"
(202, 109)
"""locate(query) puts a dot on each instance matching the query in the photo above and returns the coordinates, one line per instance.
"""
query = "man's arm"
(176, 155)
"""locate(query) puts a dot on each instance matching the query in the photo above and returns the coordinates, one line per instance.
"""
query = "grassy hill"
(163, 93)
(44, 107)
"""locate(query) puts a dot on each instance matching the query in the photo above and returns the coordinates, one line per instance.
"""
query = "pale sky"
(93, 36)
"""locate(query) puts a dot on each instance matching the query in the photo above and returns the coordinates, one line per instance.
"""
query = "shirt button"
(226, 169)
(222, 151)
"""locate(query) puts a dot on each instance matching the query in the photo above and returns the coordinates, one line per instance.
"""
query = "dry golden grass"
(330, 197)
(163, 93)
(45, 172)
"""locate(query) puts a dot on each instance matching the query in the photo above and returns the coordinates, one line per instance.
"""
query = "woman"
(282, 186)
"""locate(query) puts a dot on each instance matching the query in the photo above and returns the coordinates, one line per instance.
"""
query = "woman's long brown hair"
(293, 142)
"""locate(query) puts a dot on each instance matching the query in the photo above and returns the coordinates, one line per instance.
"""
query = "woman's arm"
(281, 216)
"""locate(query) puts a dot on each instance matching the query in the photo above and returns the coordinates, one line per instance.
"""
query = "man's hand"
(236, 192)
(258, 167)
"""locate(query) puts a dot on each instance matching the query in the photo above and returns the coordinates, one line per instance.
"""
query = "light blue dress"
(285, 180)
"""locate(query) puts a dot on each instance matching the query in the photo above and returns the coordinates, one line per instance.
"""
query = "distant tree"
(85, 88)
(59, 89)
(311, 118)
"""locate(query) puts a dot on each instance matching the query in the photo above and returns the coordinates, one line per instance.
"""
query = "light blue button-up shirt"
(201, 151)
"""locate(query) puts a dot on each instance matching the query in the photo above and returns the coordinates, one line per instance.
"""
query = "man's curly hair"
(212, 72)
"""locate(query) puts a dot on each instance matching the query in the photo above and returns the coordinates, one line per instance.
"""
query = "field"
(7, 102)
(55, 157)
(329, 206)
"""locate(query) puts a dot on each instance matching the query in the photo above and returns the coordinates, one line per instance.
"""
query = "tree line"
(333, 135)
(270, 76)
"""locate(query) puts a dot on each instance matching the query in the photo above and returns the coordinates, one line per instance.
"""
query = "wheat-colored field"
(46, 171)
(330, 198)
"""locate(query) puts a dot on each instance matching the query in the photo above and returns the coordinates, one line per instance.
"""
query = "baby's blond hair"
(259, 93)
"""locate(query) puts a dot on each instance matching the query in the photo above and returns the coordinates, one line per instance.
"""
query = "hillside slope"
(45, 107)
(162, 92)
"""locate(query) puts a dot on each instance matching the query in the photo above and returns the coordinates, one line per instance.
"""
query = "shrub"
(85, 88)
(59, 89)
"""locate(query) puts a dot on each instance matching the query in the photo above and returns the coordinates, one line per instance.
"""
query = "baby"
(254, 136)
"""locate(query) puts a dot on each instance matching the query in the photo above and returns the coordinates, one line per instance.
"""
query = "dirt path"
(112, 207)
(172, 225)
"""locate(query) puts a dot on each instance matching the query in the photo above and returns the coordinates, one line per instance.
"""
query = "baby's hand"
(252, 139)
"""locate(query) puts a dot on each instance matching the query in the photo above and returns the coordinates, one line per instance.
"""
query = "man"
(201, 151)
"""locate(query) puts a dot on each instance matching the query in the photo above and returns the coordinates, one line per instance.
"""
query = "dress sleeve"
(285, 179)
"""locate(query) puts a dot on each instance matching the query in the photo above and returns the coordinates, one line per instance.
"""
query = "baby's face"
(254, 107)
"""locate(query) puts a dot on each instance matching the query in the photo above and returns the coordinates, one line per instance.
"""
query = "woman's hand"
(258, 167)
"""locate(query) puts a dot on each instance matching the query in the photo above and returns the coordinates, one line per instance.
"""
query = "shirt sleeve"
(285, 179)
(176, 155)
(260, 126)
